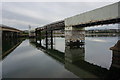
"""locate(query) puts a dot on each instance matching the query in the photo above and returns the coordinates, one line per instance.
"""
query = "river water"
(28, 60)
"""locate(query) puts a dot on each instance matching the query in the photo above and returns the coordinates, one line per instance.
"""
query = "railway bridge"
(75, 26)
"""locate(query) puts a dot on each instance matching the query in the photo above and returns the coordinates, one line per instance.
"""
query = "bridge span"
(75, 26)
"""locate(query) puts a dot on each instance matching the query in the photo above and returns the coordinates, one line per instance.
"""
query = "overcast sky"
(22, 14)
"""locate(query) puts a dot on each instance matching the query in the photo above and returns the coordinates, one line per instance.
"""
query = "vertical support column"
(13, 34)
(40, 36)
(46, 39)
(36, 33)
(119, 29)
(36, 36)
(74, 41)
(51, 39)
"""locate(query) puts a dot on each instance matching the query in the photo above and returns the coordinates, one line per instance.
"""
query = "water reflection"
(8, 45)
(33, 62)
(74, 61)
(74, 54)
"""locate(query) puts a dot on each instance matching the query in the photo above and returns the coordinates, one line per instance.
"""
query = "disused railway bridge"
(75, 26)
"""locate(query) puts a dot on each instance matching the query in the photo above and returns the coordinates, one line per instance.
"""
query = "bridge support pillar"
(40, 37)
(49, 39)
(46, 39)
(51, 32)
(36, 35)
(74, 37)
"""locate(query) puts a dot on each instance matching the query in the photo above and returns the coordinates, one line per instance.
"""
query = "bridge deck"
(53, 26)
(105, 15)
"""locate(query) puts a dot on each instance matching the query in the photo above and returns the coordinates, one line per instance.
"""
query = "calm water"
(28, 60)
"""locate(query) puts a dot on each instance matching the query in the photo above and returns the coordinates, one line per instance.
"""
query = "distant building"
(32, 33)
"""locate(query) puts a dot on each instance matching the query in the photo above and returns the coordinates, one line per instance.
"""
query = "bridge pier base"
(74, 44)
(74, 37)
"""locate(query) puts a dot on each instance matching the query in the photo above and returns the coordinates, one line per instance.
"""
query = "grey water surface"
(29, 61)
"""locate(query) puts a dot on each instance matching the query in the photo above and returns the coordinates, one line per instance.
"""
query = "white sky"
(59, 0)
(21, 13)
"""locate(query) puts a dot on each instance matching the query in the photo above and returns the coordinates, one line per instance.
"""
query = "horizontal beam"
(53, 26)
(111, 21)
(106, 15)
(110, 12)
